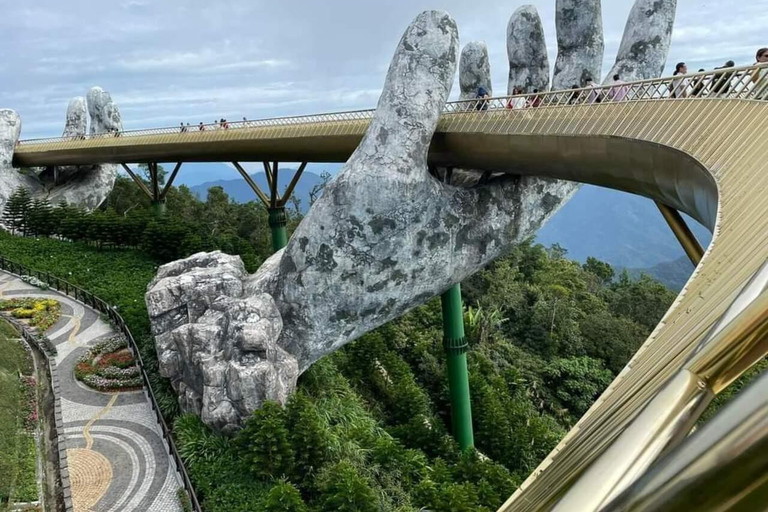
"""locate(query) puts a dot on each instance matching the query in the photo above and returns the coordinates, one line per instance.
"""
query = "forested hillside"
(368, 429)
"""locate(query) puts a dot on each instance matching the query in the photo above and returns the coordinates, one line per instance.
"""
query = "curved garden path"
(117, 459)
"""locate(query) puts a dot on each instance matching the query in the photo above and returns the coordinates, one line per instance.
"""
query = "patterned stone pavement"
(117, 458)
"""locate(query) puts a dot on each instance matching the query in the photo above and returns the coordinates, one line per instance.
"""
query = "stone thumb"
(417, 86)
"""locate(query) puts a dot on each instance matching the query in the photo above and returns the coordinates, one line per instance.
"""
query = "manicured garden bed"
(37, 312)
(109, 366)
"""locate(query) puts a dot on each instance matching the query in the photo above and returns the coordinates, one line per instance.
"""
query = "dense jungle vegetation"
(368, 429)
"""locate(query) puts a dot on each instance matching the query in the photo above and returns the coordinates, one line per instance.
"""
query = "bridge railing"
(102, 306)
(747, 82)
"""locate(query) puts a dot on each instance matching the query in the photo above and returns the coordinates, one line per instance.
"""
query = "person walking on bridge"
(722, 80)
(679, 87)
(618, 91)
(201, 127)
(760, 76)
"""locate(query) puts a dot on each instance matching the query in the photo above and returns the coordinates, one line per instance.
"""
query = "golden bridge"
(702, 152)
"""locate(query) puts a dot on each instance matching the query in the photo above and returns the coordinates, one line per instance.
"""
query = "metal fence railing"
(748, 82)
(117, 321)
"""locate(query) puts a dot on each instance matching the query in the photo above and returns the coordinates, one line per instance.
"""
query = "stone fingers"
(527, 51)
(474, 70)
(645, 44)
(580, 44)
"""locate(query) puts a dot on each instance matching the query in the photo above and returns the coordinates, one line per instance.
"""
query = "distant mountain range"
(674, 274)
(622, 229)
(239, 191)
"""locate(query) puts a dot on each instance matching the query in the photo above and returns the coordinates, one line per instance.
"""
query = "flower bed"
(109, 366)
(40, 313)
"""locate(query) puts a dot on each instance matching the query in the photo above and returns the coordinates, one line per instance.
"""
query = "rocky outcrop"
(105, 116)
(217, 345)
(474, 70)
(77, 119)
(527, 51)
(579, 43)
(645, 44)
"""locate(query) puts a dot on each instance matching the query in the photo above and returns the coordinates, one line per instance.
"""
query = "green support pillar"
(455, 345)
(277, 223)
(158, 207)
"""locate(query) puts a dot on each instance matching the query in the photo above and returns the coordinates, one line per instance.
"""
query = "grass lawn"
(18, 480)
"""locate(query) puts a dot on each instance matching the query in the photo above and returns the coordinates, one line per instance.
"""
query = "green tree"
(603, 271)
(284, 497)
(15, 214)
(266, 442)
(309, 436)
(344, 490)
(576, 382)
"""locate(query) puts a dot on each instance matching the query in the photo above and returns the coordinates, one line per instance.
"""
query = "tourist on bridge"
(679, 87)
(722, 80)
(183, 128)
(594, 93)
(518, 101)
(618, 90)
(535, 101)
(760, 76)
(482, 99)
(575, 95)
(702, 84)
(201, 127)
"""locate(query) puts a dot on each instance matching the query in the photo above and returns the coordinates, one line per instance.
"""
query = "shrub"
(266, 442)
(284, 497)
(309, 437)
(344, 490)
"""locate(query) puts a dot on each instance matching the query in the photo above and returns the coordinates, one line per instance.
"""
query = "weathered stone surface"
(77, 118)
(385, 237)
(527, 51)
(10, 178)
(580, 44)
(645, 44)
(474, 70)
(105, 116)
(218, 347)
(87, 186)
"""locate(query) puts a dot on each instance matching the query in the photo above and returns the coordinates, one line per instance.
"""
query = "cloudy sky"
(197, 60)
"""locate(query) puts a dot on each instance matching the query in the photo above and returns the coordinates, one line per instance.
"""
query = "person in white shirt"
(760, 76)
(618, 91)
(679, 87)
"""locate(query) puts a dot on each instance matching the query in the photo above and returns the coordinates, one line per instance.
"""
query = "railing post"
(455, 345)
(277, 222)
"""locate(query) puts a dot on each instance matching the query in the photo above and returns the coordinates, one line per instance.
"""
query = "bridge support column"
(455, 345)
(158, 207)
(682, 232)
(274, 202)
(277, 222)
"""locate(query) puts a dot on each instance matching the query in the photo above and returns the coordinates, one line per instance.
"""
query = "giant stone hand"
(386, 236)
(86, 186)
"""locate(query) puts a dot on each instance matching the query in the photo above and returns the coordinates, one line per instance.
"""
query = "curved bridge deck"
(703, 156)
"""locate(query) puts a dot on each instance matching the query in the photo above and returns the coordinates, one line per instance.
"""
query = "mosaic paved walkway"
(115, 452)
